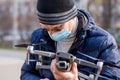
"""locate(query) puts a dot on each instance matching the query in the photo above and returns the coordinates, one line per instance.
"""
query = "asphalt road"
(10, 64)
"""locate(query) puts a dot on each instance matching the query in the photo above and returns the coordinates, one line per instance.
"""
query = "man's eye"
(57, 30)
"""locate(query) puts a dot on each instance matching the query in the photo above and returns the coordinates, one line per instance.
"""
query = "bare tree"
(108, 13)
(89, 4)
(5, 18)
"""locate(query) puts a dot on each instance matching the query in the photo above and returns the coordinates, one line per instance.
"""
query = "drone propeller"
(96, 60)
(26, 45)
(22, 45)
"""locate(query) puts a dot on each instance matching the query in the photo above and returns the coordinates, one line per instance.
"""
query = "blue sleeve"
(109, 52)
(29, 72)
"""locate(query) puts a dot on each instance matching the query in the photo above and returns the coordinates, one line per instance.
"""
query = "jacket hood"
(89, 22)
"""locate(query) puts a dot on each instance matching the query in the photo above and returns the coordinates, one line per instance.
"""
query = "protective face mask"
(57, 36)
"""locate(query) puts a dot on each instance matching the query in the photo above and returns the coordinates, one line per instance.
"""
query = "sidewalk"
(10, 68)
(10, 64)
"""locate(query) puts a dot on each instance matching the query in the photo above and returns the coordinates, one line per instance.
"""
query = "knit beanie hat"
(55, 11)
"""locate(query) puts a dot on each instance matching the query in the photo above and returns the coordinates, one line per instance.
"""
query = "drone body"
(64, 61)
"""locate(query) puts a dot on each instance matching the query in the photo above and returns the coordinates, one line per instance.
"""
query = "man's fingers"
(53, 64)
(74, 68)
(44, 79)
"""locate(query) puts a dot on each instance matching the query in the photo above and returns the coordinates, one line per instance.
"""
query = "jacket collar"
(85, 24)
(88, 21)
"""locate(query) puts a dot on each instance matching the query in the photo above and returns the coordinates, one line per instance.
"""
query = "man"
(66, 29)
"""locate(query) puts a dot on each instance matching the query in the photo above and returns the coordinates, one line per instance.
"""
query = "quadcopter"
(64, 61)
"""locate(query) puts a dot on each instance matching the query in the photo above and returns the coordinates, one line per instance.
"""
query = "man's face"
(56, 28)
(52, 28)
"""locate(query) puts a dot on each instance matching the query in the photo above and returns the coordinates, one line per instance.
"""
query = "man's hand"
(68, 75)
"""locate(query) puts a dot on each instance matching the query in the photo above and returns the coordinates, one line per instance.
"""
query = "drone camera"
(63, 65)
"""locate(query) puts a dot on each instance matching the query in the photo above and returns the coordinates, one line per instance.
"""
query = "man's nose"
(51, 32)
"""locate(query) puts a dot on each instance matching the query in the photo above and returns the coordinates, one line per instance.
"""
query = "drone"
(64, 61)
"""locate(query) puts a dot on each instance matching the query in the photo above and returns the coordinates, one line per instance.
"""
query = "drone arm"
(27, 57)
(85, 63)
(43, 53)
(40, 66)
(100, 66)
(81, 75)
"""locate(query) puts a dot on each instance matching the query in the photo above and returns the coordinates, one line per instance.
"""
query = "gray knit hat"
(55, 11)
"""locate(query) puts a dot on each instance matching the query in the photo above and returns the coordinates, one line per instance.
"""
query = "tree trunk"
(107, 13)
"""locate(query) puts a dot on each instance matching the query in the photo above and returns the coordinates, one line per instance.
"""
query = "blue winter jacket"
(90, 40)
